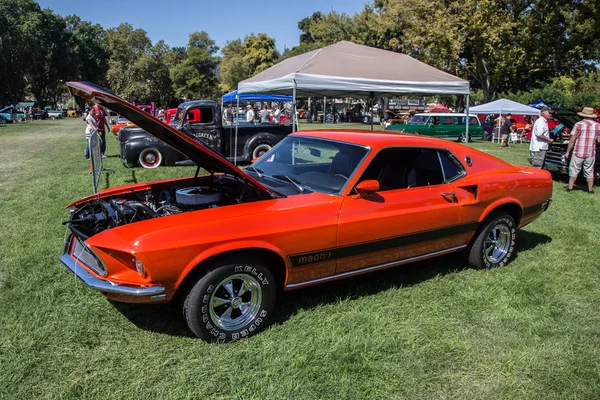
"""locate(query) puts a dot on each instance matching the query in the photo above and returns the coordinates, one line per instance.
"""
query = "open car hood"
(566, 117)
(200, 154)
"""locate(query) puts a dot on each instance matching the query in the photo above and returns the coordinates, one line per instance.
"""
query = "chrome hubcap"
(497, 243)
(150, 158)
(235, 302)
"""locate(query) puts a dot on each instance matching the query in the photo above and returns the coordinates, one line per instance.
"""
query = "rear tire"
(233, 300)
(150, 158)
(494, 242)
(260, 149)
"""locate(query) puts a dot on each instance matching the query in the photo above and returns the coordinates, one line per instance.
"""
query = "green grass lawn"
(431, 330)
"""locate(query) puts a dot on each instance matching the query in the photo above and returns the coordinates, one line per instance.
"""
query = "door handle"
(450, 196)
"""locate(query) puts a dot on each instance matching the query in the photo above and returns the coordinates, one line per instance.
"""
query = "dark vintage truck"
(557, 149)
(201, 120)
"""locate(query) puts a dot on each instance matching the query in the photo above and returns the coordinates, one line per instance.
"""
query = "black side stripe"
(330, 254)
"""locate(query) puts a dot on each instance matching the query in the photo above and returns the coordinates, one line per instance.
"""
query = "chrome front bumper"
(107, 286)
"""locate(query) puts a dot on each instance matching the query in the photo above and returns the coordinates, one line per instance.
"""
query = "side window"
(403, 168)
(473, 121)
(203, 115)
(206, 115)
(434, 120)
(446, 120)
(452, 168)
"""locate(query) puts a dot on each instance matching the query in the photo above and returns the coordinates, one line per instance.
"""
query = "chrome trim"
(376, 267)
(107, 286)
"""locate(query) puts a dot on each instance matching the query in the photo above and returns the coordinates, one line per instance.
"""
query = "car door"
(413, 215)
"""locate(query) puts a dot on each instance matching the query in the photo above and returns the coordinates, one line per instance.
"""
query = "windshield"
(318, 165)
(419, 120)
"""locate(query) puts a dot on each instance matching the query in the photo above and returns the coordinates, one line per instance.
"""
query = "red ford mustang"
(319, 206)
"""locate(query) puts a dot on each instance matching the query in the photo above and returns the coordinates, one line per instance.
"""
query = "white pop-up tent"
(346, 69)
(504, 106)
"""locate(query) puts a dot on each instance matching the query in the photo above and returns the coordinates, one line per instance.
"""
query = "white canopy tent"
(504, 106)
(346, 69)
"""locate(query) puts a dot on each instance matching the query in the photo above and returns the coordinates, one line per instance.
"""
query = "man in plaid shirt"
(584, 136)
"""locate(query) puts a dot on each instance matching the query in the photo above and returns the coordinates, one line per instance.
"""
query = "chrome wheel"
(235, 302)
(497, 243)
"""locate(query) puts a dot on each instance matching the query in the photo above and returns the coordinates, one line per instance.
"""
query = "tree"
(125, 47)
(233, 69)
(260, 53)
(14, 51)
(45, 33)
(195, 77)
(87, 50)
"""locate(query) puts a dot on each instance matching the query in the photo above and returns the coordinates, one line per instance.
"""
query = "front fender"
(229, 247)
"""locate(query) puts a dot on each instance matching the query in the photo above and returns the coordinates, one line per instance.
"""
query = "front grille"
(82, 253)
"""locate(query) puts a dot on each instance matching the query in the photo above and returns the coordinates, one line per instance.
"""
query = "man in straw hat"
(540, 139)
(584, 136)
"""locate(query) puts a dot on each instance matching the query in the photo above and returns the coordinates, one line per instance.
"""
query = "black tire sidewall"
(196, 303)
(477, 256)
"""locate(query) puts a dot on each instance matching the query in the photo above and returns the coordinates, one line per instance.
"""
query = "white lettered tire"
(150, 158)
(494, 243)
(233, 300)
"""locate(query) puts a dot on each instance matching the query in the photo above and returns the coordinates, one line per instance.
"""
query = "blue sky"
(173, 21)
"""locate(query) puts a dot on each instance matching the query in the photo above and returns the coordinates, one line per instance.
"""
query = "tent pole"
(294, 116)
(237, 113)
(324, 108)
(467, 121)
(371, 110)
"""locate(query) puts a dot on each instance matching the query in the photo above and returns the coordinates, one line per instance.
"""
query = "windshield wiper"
(295, 182)
(256, 170)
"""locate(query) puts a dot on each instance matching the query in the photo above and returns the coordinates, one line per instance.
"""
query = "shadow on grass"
(133, 177)
(167, 318)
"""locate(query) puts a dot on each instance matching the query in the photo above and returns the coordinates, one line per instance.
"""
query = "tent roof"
(504, 106)
(346, 69)
(230, 97)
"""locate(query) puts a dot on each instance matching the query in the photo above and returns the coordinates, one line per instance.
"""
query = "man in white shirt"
(540, 139)
(276, 114)
(249, 114)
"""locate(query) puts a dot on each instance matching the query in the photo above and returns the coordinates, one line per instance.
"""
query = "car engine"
(105, 213)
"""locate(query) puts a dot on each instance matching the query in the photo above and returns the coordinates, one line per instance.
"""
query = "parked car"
(442, 125)
(120, 123)
(53, 114)
(39, 114)
(557, 149)
(200, 120)
(319, 206)
(11, 114)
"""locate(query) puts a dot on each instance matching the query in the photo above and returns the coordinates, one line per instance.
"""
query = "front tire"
(494, 242)
(150, 158)
(230, 302)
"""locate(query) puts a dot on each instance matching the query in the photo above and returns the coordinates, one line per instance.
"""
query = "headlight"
(140, 267)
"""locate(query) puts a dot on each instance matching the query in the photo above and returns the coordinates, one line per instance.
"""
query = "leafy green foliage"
(233, 69)
(195, 77)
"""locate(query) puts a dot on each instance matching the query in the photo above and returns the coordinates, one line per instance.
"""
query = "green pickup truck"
(443, 125)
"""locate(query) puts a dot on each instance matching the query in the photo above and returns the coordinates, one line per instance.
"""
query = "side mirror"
(367, 187)
(314, 152)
